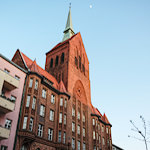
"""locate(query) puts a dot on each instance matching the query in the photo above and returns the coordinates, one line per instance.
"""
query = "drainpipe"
(20, 112)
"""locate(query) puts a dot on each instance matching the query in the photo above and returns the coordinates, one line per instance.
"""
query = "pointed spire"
(68, 32)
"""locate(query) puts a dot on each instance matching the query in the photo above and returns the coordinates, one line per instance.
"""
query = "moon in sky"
(91, 6)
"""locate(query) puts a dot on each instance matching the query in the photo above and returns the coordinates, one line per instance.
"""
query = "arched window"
(79, 62)
(51, 63)
(76, 61)
(24, 147)
(62, 58)
(56, 61)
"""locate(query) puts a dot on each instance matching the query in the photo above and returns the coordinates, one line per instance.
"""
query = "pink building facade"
(12, 80)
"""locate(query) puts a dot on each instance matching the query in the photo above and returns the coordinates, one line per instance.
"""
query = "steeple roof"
(68, 32)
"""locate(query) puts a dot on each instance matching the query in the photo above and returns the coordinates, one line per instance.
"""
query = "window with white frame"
(78, 115)
(73, 143)
(42, 110)
(73, 127)
(52, 98)
(30, 83)
(8, 123)
(36, 85)
(13, 98)
(94, 147)
(73, 111)
(65, 103)
(61, 101)
(50, 134)
(99, 139)
(28, 101)
(64, 138)
(83, 132)
(78, 145)
(40, 130)
(83, 118)
(33, 102)
(43, 93)
(60, 117)
(65, 119)
(96, 135)
(25, 123)
(107, 130)
(84, 146)
(103, 141)
(93, 135)
(93, 122)
(51, 115)
(78, 130)
(59, 136)
(31, 124)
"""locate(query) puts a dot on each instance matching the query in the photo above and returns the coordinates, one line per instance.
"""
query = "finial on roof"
(68, 32)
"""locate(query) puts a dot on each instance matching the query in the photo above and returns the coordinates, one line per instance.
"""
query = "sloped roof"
(33, 66)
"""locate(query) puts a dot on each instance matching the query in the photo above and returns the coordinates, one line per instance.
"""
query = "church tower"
(68, 62)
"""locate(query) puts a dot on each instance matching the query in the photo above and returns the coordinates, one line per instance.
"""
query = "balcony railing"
(6, 105)
(10, 82)
(4, 133)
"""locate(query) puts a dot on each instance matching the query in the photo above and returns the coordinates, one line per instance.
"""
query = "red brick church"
(56, 111)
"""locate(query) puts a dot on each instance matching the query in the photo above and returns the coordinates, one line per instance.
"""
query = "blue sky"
(116, 35)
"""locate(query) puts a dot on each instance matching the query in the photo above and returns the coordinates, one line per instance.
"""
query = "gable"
(17, 59)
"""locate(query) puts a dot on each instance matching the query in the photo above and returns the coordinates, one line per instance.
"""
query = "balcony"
(10, 83)
(4, 133)
(6, 105)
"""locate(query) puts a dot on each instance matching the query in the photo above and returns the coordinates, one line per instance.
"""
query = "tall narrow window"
(8, 124)
(43, 93)
(79, 62)
(78, 145)
(83, 118)
(78, 131)
(42, 110)
(93, 122)
(65, 119)
(51, 63)
(31, 124)
(83, 132)
(62, 58)
(73, 127)
(64, 138)
(76, 61)
(99, 139)
(61, 101)
(33, 102)
(102, 128)
(40, 130)
(84, 147)
(53, 99)
(56, 61)
(3, 147)
(30, 83)
(25, 122)
(73, 143)
(103, 141)
(28, 101)
(60, 117)
(50, 134)
(107, 130)
(78, 115)
(59, 136)
(51, 115)
(36, 85)
(73, 111)
(93, 135)
(65, 103)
